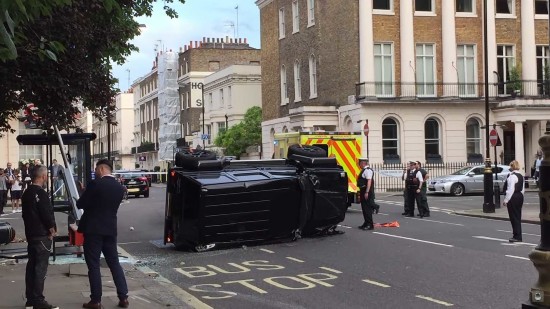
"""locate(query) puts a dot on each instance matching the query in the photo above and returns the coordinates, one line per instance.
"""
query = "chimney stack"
(244, 40)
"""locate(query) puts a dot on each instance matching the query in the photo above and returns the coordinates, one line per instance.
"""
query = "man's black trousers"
(93, 246)
(37, 267)
(367, 207)
(514, 211)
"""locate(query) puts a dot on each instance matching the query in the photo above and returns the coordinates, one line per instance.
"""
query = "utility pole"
(488, 205)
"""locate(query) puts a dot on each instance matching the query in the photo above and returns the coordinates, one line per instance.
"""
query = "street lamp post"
(488, 205)
(539, 296)
(203, 128)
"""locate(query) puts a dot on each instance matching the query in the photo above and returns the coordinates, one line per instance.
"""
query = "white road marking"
(433, 300)
(382, 214)
(376, 283)
(130, 242)
(414, 239)
(505, 240)
(518, 257)
(344, 226)
(294, 259)
(422, 219)
(268, 251)
(140, 298)
(331, 270)
(522, 233)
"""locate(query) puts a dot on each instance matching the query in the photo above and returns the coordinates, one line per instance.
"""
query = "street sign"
(142, 158)
(204, 137)
(493, 137)
(366, 129)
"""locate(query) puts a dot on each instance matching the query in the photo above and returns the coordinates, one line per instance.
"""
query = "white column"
(528, 47)
(366, 47)
(519, 149)
(406, 31)
(448, 28)
(492, 47)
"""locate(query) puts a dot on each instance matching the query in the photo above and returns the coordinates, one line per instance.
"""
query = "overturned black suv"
(217, 203)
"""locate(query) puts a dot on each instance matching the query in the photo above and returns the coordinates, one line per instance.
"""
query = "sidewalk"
(529, 214)
(67, 284)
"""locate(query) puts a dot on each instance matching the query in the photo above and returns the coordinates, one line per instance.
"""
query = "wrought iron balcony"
(446, 91)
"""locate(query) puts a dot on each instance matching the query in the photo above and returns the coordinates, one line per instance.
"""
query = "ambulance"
(344, 146)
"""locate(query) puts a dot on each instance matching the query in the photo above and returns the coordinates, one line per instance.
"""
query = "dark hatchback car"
(136, 183)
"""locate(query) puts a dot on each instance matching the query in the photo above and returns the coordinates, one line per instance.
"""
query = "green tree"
(64, 55)
(236, 139)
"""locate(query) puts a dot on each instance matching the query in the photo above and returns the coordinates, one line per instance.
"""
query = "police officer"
(365, 182)
(422, 199)
(414, 183)
(405, 178)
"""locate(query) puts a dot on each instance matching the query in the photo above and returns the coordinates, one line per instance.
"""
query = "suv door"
(477, 179)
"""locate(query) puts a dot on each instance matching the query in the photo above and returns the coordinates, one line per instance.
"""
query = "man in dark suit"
(100, 203)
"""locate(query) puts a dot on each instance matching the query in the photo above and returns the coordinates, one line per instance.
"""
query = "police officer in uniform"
(365, 182)
(414, 183)
(422, 199)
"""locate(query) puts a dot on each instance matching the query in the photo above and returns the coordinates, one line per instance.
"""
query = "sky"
(197, 19)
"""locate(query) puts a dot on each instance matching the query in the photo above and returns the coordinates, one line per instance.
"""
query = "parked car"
(466, 180)
(149, 176)
(136, 183)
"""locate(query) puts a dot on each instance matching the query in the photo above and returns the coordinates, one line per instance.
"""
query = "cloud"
(197, 19)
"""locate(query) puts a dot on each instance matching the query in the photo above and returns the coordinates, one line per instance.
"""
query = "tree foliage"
(64, 53)
(236, 139)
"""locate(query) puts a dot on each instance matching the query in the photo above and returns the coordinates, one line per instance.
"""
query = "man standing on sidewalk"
(3, 191)
(100, 202)
(40, 229)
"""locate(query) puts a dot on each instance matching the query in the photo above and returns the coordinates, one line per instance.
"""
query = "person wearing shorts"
(16, 188)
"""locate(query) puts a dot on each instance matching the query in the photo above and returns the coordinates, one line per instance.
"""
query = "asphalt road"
(444, 260)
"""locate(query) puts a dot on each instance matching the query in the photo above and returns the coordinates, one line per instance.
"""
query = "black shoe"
(44, 305)
(426, 215)
(410, 215)
(514, 240)
(420, 215)
(362, 227)
(404, 214)
(369, 227)
(376, 209)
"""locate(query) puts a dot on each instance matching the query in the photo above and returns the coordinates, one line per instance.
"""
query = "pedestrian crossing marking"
(376, 283)
(294, 259)
(440, 302)
(268, 251)
(331, 270)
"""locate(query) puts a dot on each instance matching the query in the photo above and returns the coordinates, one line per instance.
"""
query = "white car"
(466, 180)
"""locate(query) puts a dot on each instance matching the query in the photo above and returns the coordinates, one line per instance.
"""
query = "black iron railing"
(466, 91)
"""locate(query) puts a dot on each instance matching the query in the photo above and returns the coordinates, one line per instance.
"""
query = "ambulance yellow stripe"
(345, 162)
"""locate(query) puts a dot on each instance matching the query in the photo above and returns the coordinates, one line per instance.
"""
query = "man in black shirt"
(40, 228)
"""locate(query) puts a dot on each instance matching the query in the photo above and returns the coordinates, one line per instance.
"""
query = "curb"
(495, 218)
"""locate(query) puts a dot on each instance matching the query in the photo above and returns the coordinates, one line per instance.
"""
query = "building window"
(505, 6)
(383, 69)
(284, 89)
(466, 68)
(188, 96)
(310, 13)
(465, 6)
(29, 151)
(473, 137)
(209, 132)
(385, 5)
(221, 99)
(295, 17)
(297, 82)
(425, 69)
(282, 23)
(543, 70)
(423, 5)
(390, 141)
(221, 127)
(186, 67)
(505, 62)
(229, 93)
(431, 137)
(541, 7)
(312, 77)
(210, 101)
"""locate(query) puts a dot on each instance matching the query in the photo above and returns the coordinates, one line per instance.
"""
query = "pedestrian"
(514, 188)
(16, 192)
(40, 228)
(538, 161)
(423, 208)
(55, 170)
(26, 175)
(100, 202)
(365, 182)
(3, 190)
(9, 173)
(414, 183)
(405, 178)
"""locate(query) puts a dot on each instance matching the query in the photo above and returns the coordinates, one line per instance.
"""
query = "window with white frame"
(466, 69)
(541, 7)
(209, 132)
(310, 13)
(284, 89)
(221, 127)
(383, 5)
(383, 69)
(390, 140)
(29, 151)
(282, 23)
(505, 62)
(312, 76)
(188, 95)
(505, 7)
(295, 17)
(542, 62)
(432, 138)
(222, 103)
(465, 6)
(210, 101)
(473, 137)
(229, 94)
(424, 6)
(425, 69)
(297, 82)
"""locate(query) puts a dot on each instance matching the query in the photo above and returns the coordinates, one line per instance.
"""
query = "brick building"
(413, 69)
